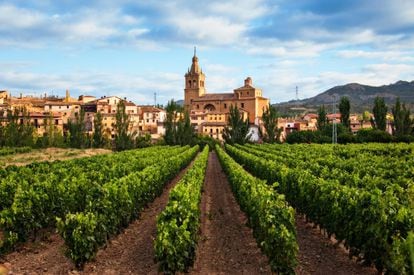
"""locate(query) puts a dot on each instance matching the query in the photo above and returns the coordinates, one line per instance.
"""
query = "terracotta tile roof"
(148, 108)
(215, 97)
(246, 87)
(213, 123)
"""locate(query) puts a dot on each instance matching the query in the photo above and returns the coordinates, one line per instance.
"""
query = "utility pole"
(334, 128)
(297, 93)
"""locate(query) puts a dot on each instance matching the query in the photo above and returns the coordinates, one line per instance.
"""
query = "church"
(209, 111)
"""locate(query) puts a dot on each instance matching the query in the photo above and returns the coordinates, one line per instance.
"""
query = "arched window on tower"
(194, 84)
(189, 83)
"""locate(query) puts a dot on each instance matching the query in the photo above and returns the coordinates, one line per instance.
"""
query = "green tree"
(171, 123)
(185, 131)
(269, 118)
(178, 128)
(344, 109)
(142, 141)
(402, 121)
(380, 114)
(2, 128)
(18, 131)
(77, 137)
(237, 130)
(322, 118)
(98, 138)
(52, 137)
(124, 139)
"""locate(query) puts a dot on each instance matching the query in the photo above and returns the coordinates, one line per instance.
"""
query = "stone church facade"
(205, 107)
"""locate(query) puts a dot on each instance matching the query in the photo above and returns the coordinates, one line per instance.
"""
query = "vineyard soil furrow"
(130, 252)
(226, 244)
(319, 255)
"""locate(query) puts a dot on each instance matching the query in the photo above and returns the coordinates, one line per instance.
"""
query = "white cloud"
(211, 30)
(383, 55)
(285, 49)
(17, 18)
(241, 10)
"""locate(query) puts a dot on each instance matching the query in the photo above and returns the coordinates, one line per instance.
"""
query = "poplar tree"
(237, 130)
(380, 114)
(322, 118)
(344, 109)
(269, 118)
(402, 121)
(124, 139)
(98, 138)
(77, 137)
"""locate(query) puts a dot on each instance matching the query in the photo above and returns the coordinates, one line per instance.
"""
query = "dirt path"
(319, 255)
(226, 245)
(130, 252)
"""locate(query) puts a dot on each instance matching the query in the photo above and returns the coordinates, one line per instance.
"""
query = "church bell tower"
(194, 82)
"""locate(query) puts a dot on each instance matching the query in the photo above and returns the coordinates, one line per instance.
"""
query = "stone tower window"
(194, 84)
(189, 83)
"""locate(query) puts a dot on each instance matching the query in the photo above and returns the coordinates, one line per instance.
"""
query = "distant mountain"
(180, 102)
(361, 97)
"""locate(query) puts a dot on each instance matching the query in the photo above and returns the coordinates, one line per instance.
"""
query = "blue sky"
(135, 48)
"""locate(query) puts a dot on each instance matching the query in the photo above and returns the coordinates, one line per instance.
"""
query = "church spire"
(195, 68)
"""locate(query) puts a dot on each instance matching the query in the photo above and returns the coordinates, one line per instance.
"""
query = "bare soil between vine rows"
(319, 255)
(226, 244)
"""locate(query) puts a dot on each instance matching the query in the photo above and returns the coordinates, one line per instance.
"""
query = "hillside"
(360, 96)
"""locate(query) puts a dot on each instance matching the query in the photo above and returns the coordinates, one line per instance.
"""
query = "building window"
(225, 106)
(211, 130)
(56, 122)
(217, 130)
(198, 106)
(242, 105)
(60, 107)
(205, 130)
(147, 120)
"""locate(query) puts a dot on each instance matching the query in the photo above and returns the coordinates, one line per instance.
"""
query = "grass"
(49, 154)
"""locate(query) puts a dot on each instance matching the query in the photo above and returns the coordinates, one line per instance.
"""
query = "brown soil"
(49, 154)
(130, 252)
(226, 245)
(320, 255)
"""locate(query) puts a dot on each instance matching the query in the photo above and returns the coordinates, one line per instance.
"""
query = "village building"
(209, 111)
